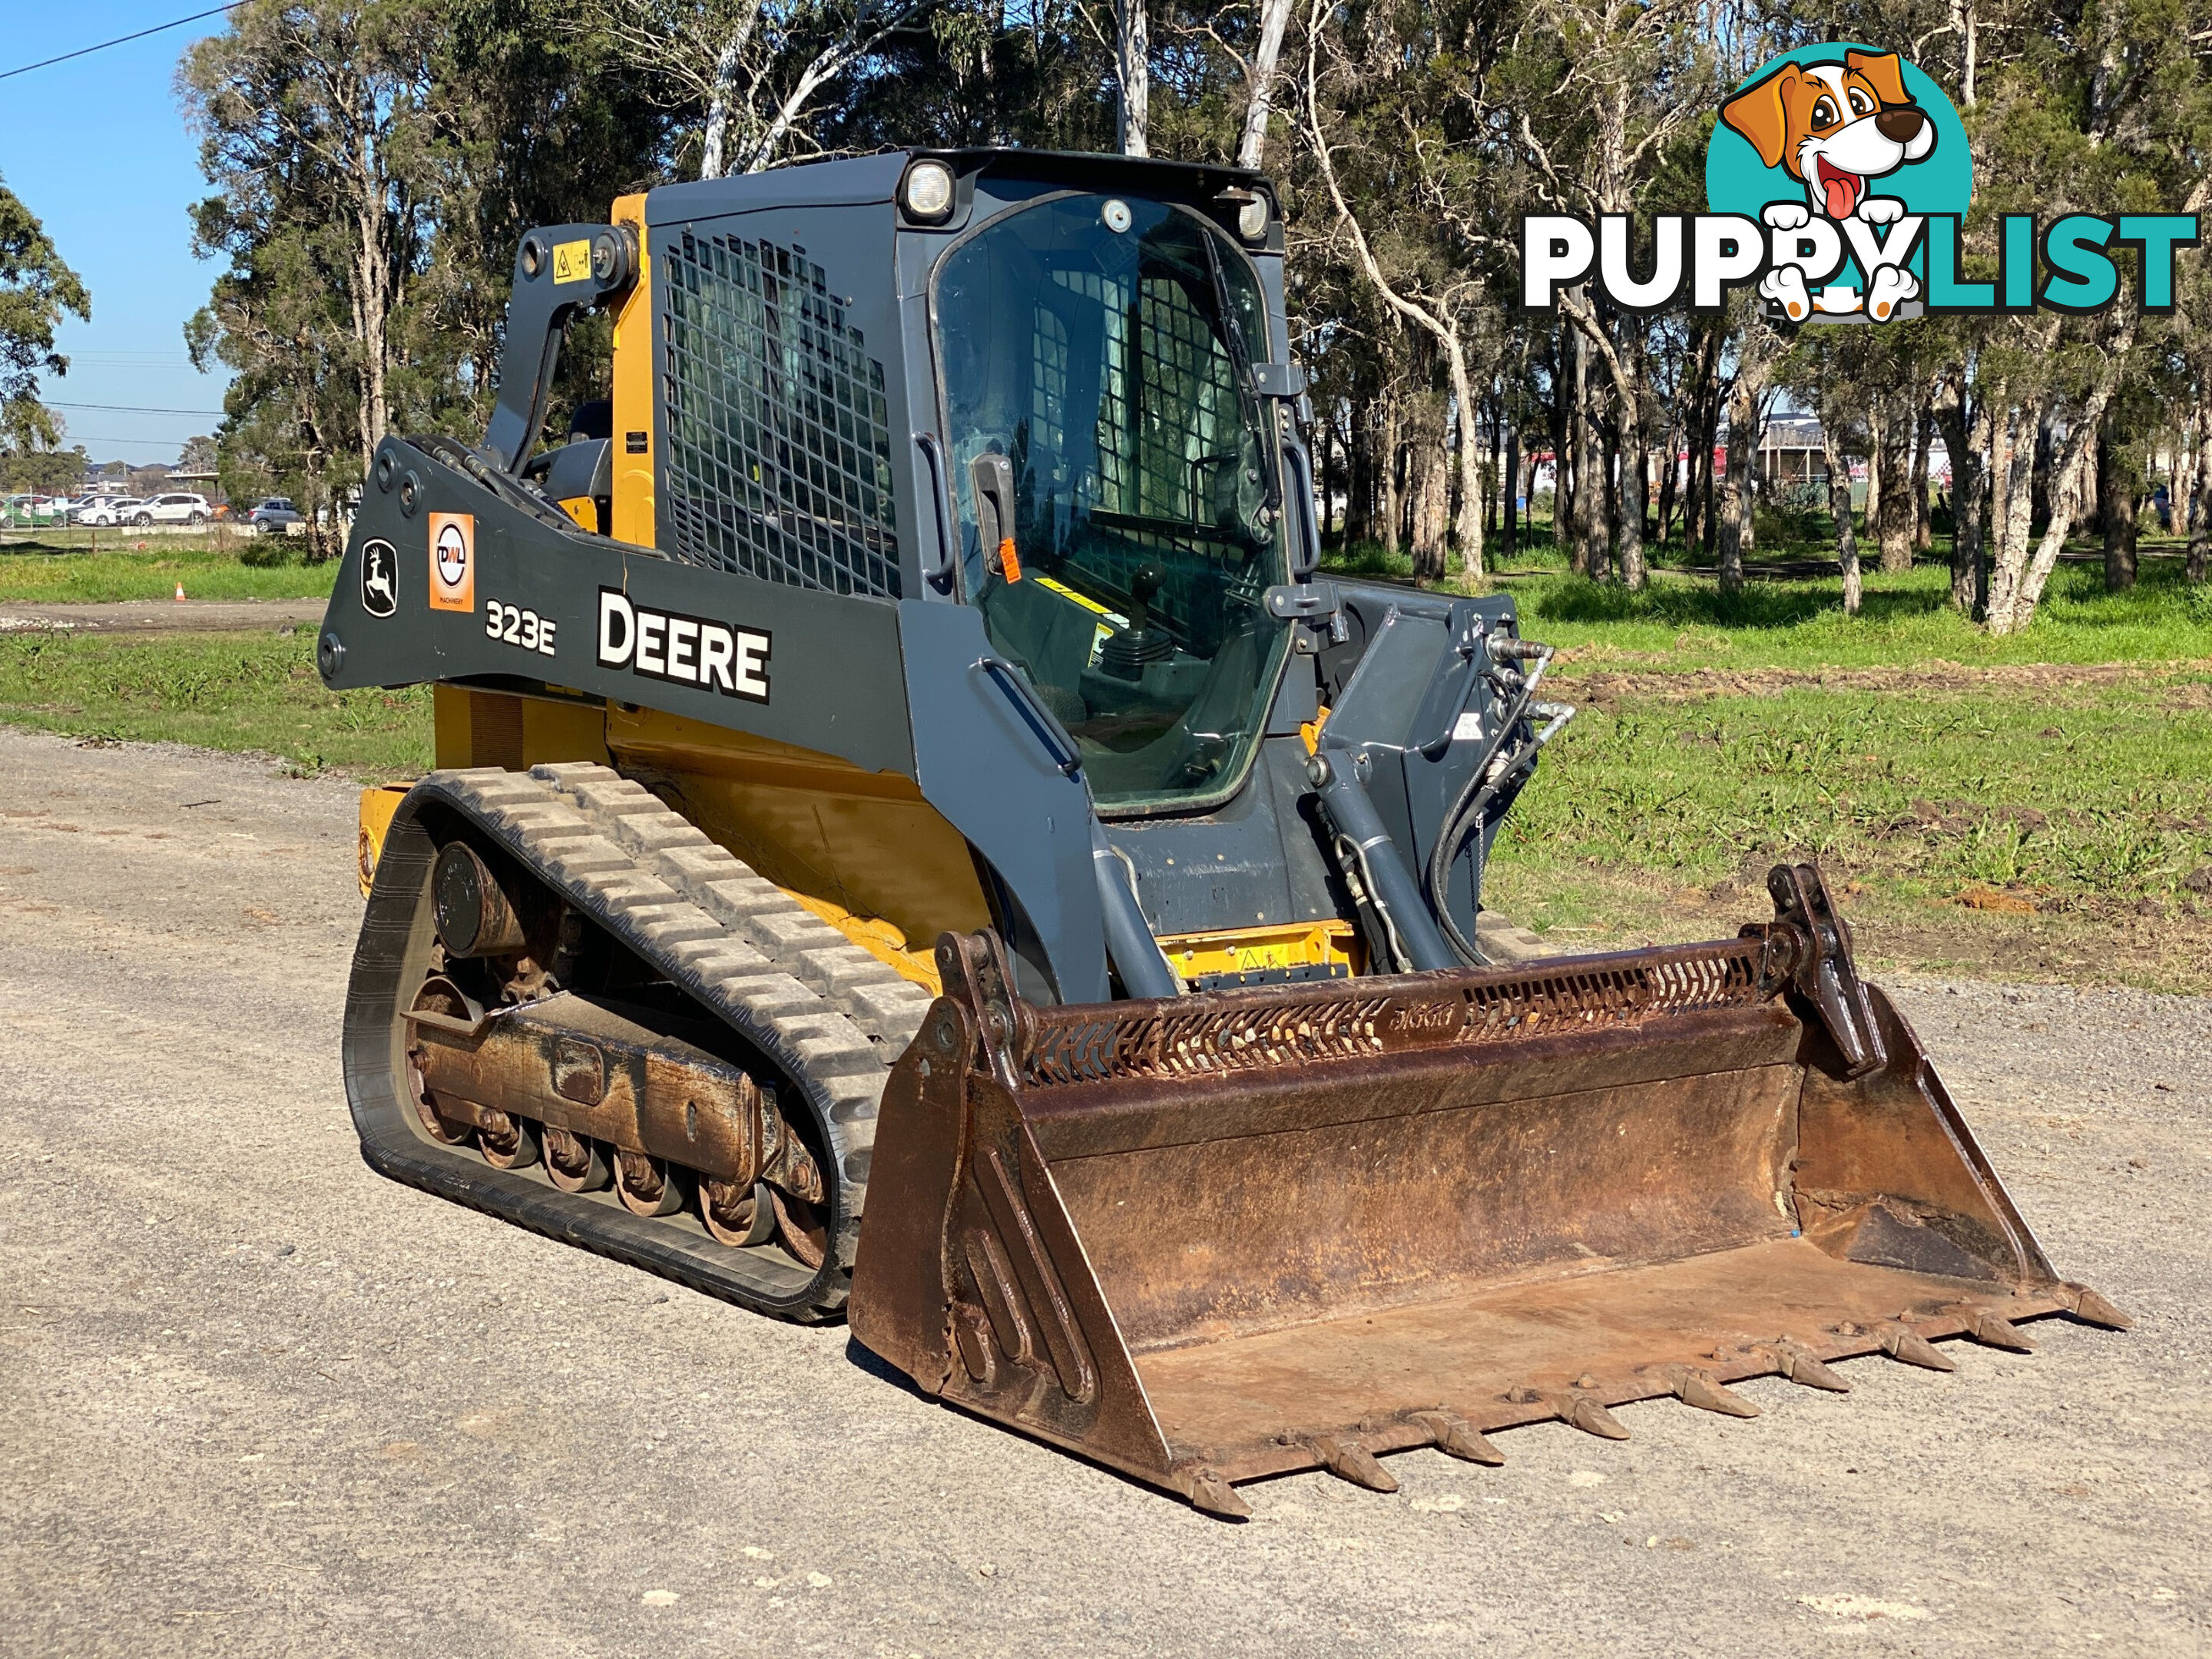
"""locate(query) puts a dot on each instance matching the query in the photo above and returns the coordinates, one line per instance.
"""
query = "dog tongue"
(1841, 190)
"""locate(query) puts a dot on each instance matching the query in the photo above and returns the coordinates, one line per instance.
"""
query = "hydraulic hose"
(1490, 774)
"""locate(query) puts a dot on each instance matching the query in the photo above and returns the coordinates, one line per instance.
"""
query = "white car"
(116, 511)
(173, 509)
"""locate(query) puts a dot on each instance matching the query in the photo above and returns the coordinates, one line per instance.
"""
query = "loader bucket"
(1224, 1236)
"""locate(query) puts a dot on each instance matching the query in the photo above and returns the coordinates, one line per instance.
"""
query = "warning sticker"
(453, 562)
(572, 261)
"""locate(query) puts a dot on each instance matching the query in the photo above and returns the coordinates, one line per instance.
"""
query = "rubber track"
(815, 1005)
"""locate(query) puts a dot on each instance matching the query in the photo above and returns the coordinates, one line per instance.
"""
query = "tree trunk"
(2182, 490)
(2039, 487)
(1393, 497)
(2012, 603)
(1602, 494)
(729, 71)
(2092, 514)
(1605, 495)
(1467, 528)
(1635, 480)
(1964, 440)
(1923, 440)
(1669, 487)
(1839, 509)
(1493, 454)
(1252, 147)
(1870, 510)
(1589, 502)
(1509, 535)
(1733, 512)
(1428, 483)
(1897, 513)
(2200, 512)
(2012, 498)
(1132, 75)
(2116, 494)
(1359, 466)
(1697, 501)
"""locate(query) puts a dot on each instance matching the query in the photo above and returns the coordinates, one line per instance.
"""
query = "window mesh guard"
(1165, 408)
(778, 456)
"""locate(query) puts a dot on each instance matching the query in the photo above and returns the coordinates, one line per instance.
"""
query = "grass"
(59, 567)
(251, 692)
(1683, 621)
(2057, 827)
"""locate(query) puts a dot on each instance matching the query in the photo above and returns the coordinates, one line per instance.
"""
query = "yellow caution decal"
(572, 261)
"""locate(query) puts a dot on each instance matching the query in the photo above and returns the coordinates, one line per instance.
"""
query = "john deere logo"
(1844, 153)
(1839, 179)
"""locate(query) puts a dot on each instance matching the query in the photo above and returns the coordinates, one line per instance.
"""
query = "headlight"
(1252, 219)
(928, 192)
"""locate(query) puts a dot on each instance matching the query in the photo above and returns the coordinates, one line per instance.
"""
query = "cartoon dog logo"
(379, 588)
(1835, 128)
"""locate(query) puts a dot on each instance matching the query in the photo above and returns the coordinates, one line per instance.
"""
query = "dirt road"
(255, 1401)
(159, 616)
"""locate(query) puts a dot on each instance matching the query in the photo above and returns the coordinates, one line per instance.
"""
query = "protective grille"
(1204, 1035)
(779, 453)
(1166, 403)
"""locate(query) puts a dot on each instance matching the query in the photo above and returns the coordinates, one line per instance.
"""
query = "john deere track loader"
(916, 838)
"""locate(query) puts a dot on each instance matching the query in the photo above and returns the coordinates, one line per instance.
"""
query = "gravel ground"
(260, 1401)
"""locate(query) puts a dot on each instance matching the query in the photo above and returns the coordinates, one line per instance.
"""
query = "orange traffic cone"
(180, 592)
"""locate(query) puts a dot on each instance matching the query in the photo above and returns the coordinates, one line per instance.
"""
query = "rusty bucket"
(1224, 1236)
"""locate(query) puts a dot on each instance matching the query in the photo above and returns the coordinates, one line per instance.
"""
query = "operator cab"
(1119, 481)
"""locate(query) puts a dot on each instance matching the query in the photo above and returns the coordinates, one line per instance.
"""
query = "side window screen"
(778, 458)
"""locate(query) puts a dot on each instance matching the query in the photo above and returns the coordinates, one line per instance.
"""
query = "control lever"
(991, 476)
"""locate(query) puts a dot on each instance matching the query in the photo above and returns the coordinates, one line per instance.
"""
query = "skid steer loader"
(899, 759)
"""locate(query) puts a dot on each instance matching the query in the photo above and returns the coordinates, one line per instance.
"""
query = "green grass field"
(233, 691)
(1683, 621)
(2038, 807)
(59, 567)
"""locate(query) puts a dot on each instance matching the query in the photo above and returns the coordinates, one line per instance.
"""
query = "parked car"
(277, 513)
(180, 508)
(24, 512)
(110, 510)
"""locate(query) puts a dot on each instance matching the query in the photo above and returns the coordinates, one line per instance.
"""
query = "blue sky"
(97, 148)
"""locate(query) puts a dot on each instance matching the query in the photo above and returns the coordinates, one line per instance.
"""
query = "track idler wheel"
(646, 1184)
(439, 995)
(575, 1162)
(737, 1213)
(514, 1148)
(802, 1227)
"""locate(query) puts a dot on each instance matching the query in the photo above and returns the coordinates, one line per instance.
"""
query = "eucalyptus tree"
(38, 290)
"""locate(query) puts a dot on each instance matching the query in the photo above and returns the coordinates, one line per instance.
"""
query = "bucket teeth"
(2085, 1304)
(1208, 1490)
(1458, 1437)
(1902, 1342)
(1993, 1330)
(1695, 1388)
(1588, 1413)
(1343, 1457)
(1802, 1366)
